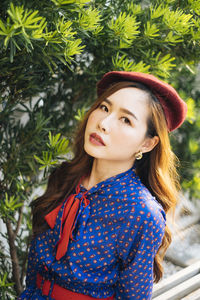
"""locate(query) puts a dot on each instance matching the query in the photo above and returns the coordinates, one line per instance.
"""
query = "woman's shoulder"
(132, 188)
(138, 200)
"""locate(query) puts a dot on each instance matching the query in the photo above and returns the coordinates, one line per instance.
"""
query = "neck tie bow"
(68, 221)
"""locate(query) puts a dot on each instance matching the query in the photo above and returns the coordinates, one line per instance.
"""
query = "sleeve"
(138, 244)
(31, 273)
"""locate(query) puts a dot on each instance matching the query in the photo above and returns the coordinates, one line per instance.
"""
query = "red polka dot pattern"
(114, 243)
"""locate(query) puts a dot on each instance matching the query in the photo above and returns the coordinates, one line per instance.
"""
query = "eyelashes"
(103, 107)
(125, 120)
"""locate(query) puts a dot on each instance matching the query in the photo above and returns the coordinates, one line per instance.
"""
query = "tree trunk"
(14, 258)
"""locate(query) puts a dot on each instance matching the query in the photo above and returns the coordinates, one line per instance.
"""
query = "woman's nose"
(104, 125)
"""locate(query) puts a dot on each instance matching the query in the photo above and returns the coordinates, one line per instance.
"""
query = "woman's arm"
(138, 245)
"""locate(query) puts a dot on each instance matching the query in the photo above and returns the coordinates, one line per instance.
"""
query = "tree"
(51, 58)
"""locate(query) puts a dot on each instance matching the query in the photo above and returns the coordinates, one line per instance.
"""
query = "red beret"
(174, 107)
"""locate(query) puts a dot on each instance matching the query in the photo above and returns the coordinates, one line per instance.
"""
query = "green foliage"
(151, 30)
(80, 114)
(188, 146)
(26, 29)
(191, 113)
(58, 148)
(164, 64)
(89, 19)
(5, 287)
(194, 4)
(9, 206)
(135, 9)
(51, 56)
(63, 2)
(123, 63)
(125, 29)
(178, 21)
(193, 146)
(158, 11)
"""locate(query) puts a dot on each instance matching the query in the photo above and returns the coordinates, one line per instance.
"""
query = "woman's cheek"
(90, 120)
(93, 116)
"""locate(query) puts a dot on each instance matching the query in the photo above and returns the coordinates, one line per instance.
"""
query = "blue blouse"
(114, 243)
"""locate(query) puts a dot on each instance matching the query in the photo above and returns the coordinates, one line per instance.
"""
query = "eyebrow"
(122, 109)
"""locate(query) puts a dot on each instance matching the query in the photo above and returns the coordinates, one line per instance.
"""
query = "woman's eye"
(126, 120)
(103, 107)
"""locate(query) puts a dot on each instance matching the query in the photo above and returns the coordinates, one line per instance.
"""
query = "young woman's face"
(116, 129)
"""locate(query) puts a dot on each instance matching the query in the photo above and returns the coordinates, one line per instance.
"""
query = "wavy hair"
(157, 170)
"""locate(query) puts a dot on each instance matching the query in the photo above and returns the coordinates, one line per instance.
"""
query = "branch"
(14, 257)
(18, 222)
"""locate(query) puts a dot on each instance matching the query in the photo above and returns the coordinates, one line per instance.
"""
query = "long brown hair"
(157, 170)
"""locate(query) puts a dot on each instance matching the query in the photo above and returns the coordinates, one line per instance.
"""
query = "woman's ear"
(149, 144)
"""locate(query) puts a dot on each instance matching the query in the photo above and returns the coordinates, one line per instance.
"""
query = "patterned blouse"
(115, 239)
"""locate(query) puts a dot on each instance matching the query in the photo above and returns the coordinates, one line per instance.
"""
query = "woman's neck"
(102, 170)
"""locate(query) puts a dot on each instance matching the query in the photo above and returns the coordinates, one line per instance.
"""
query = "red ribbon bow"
(68, 219)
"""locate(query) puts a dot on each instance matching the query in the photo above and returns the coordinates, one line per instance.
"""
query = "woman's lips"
(96, 139)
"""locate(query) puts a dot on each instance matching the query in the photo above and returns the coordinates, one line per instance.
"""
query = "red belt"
(60, 293)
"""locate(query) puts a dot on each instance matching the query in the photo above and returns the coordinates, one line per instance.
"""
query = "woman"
(99, 229)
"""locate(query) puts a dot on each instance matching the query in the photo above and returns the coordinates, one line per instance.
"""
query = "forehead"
(130, 96)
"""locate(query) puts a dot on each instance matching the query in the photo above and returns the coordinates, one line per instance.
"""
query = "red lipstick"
(96, 139)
